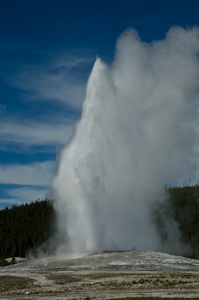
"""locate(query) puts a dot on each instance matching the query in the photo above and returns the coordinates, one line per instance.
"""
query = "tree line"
(26, 227)
(182, 206)
(30, 226)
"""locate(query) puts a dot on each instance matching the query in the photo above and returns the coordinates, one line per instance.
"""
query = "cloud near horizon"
(24, 195)
(34, 174)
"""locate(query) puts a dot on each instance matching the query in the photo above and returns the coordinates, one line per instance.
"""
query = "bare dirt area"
(102, 276)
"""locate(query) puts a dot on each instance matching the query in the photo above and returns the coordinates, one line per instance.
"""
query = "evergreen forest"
(30, 226)
(26, 227)
(182, 207)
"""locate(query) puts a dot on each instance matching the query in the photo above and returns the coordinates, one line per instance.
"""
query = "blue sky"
(47, 50)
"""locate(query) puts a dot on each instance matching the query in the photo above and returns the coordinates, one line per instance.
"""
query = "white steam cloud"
(137, 133)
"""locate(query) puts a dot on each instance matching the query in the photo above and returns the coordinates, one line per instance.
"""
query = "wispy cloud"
(60, 78)
(27, 194)
(34, 133)
(23, 195)
(35, 174)
(9, 202)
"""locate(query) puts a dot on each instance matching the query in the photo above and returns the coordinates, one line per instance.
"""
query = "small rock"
(27, 293)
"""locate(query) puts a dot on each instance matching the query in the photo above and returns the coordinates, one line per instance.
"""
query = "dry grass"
(102, 275)
(152, 298)
(8, 283)
(127, 281)
(62, 278)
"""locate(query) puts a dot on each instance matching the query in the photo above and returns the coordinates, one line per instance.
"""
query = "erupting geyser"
(137, 133)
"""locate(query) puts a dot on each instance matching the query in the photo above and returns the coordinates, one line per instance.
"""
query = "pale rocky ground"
(105, 276)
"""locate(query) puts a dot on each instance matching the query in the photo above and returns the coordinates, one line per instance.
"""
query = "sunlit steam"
(136, 134)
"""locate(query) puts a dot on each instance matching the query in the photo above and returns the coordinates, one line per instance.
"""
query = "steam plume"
(136, 134)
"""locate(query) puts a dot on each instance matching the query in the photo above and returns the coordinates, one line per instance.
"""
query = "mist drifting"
(136, 134)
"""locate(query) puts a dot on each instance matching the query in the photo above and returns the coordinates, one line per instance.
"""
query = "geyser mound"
(136, 133)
